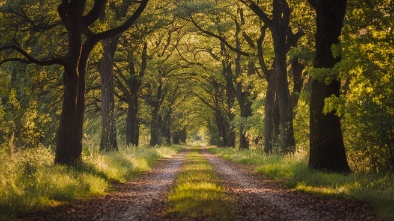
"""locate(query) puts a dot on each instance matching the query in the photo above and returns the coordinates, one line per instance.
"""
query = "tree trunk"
(219, 124)
(229, 130)
(327, 150)
(298, 82)
(176, 138)
(132, 128)
(269, 107)
(245, 106)
(108, 122)
(155, 127)
(165, 130)
(281, 21)
(246, 111)
(69, 136)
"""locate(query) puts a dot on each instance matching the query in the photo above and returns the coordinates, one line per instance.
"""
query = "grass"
(29, 179)
(199, 192)
(292, 171)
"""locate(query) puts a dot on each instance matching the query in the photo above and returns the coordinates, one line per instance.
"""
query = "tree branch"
(94, 13)
(260, 13)
(220, 39)
(263, 66)
(36, 27)
(122, 28)
(29, 59)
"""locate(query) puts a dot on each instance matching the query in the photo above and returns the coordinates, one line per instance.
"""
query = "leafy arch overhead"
(280, 75)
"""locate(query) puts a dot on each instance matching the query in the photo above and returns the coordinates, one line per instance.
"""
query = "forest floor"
(257, 198)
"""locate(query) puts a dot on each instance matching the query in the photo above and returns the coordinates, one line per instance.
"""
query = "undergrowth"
(292, 170)
(30, 180)
(199, 192)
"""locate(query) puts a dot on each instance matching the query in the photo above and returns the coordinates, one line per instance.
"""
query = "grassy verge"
(292, 171)
(30, 180)
(199, 192)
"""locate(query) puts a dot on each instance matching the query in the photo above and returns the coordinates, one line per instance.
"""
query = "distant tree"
(327, 150)
(224, 24)
(129, 81)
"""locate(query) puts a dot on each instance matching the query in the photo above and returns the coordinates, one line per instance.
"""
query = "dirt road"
(258, 198)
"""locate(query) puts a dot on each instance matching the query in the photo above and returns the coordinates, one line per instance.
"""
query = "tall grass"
(293, 172)
(29, 179)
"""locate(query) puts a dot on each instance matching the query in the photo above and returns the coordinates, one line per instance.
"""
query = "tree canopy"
(232, 73)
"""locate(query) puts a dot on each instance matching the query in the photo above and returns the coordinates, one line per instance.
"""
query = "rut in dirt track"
(260, 198)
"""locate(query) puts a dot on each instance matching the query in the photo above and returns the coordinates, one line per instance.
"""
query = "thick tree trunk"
(69, 136)
(327, 150)
(269, 108)
(280, 25)
(108, 122)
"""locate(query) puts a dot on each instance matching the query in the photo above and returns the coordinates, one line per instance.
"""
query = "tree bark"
(281, 14)
(165, 129)
(245, 105)
(268, 112)
(246, 111)
(228, 129)
(298, 82)
(327, 150)
(108, 122)
(69, 136)
(156, 121)
(132, 127)
(155, 127)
